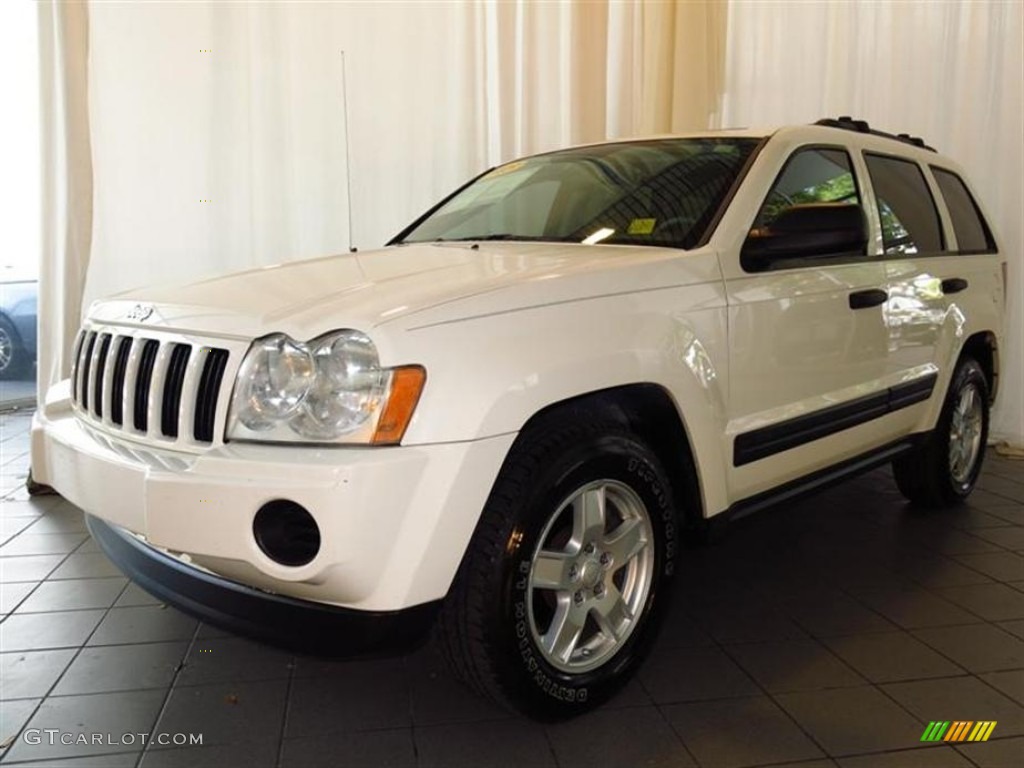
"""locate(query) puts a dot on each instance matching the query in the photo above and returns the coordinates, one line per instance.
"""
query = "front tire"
(944, 469)
(563, 586)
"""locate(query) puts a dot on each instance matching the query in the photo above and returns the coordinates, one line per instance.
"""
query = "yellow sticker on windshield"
(641, 226)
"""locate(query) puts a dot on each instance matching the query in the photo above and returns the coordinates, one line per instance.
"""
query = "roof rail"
(847, 123)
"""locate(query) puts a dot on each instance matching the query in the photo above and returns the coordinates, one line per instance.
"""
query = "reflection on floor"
(821, 633)
(17, 391)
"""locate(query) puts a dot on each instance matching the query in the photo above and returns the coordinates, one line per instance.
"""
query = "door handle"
(954, 285)
(871, 297)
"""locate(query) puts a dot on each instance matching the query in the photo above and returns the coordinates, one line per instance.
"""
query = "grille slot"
(124, 349)
(76, 365)
(171, 406)
(101, 369)
(90, 344)
(142, 383)
(206, 395)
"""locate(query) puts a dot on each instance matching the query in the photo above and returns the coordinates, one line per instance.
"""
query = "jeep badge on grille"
(140, 312)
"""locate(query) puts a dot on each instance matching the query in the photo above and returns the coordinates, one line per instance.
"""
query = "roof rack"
(847, 123)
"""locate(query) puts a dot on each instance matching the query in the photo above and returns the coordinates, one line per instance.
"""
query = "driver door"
(808, 342)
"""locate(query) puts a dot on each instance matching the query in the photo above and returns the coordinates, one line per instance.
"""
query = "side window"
(810, 176)
(972, 233)
(813, 211)
(910, 222)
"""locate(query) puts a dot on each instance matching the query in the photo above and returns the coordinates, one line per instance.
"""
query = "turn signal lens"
(406, 385)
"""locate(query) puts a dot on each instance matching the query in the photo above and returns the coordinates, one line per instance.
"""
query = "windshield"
(660, 192)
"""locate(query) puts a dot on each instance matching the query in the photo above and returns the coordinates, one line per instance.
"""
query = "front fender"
(488, 375)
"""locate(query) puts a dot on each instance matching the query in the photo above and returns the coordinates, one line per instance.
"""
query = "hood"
(365, 290)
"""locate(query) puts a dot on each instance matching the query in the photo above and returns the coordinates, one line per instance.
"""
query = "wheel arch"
(12, 329)
(984, 348)
(649, 411)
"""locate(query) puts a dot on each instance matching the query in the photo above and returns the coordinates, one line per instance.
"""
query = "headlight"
(275, 377)
(330, 389)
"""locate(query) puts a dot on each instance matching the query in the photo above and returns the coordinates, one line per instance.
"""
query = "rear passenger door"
(933, 274)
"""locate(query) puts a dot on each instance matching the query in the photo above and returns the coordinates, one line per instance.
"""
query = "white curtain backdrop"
(951, 72)
(219, 130)
(67, 211)
(216, 132)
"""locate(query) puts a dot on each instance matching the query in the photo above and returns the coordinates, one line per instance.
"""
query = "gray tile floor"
(822, 633)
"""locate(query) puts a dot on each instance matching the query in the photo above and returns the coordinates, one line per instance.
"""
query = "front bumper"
(296, 624)
(394, 522)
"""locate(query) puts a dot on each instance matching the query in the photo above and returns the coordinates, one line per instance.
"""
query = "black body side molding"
(767, 441)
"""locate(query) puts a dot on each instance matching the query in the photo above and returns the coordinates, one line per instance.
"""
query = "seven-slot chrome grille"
(142, 385)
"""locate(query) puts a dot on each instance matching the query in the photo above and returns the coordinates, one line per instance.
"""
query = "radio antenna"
(348, 156)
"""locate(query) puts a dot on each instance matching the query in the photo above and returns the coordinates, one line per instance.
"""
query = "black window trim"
(989, 235)
(840, 260)
(924, 177)
(400, 237)
(730, 194)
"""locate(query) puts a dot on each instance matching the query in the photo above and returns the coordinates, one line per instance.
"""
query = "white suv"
(502, 423)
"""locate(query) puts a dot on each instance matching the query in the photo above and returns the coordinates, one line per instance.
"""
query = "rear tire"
(564, 583)
(944, 469)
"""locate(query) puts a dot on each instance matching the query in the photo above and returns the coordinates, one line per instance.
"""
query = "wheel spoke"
(625, 542)
(565, 630)
(965, 433)
(612, 614)
(588, 516)
(551, 570)
(966, 403)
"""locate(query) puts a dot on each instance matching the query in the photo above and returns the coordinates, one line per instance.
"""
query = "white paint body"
(504, 331)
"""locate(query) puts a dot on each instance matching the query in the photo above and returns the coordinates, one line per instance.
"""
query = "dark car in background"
(17, 328)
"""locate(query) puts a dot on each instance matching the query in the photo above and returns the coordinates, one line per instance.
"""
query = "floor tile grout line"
(442, 724)
(44, 579)
(411, 708)
(170, 688)
(929, 591)
(292, 664)
(21, 602)
(764, 692)
(991, 687)
(677, 734)
(46, 762)
(99, 645)
(47, 576)
(551, 747)
(939, 651)
(78, 652)
(775, 702)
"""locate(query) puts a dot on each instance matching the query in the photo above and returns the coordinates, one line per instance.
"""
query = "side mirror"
(802, 231)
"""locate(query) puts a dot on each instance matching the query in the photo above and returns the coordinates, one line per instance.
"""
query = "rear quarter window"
(910, 221)
(972, 232)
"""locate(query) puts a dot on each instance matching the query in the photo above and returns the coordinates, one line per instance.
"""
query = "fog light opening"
(286, 532)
